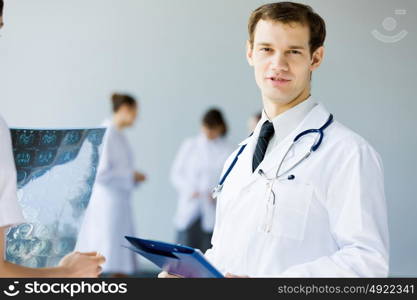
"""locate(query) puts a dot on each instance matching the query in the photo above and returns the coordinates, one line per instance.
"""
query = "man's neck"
(273, 109)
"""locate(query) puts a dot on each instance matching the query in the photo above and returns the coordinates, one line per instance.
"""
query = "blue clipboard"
(175, 259)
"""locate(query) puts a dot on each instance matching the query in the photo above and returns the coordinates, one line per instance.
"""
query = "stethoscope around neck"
(319, 131)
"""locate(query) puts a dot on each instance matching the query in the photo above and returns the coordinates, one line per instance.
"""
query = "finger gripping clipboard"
(175, 259)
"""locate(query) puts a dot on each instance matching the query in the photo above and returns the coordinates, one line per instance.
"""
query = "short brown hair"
(118, 100)
(288, 12)
(1, 7)
(213, 118)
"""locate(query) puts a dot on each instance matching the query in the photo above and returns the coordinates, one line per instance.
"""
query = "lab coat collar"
(314, 119)
(246, 141)
(256, 131)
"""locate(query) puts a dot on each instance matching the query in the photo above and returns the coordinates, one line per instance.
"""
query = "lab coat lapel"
(245, 159)
(315, 119)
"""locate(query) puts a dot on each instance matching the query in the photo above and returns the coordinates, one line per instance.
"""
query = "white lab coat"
(197, 168)
(108, 217)
(330, 221)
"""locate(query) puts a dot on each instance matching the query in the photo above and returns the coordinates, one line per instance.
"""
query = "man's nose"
(279, 62)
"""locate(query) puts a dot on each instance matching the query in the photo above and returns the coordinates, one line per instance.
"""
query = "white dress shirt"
(287, 121)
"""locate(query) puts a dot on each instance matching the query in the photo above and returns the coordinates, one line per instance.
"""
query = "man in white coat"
(326, 217)
(194, 174)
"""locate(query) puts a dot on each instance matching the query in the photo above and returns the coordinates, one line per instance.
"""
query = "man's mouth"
(278, 80)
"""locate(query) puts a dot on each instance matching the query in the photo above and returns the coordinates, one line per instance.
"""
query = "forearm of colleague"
(73, 265)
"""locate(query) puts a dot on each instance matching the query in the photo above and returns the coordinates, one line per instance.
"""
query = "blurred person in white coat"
(108, 217)
(194, 174)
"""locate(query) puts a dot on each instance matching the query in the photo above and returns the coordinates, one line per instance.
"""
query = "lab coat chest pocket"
(288, 217)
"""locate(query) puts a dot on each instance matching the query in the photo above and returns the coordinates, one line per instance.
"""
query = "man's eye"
(294, 52)
(266, 49)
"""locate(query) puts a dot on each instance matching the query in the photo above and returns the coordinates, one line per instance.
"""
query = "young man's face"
(282, 61)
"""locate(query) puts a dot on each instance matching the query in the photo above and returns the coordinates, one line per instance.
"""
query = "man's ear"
(317, 58)
(249, 53)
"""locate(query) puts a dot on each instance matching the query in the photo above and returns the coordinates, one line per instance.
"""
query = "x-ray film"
(56, 170)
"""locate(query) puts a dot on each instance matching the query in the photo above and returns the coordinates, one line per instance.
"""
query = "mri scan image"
(56, 170)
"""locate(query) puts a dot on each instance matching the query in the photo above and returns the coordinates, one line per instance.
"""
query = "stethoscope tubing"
(313, 148)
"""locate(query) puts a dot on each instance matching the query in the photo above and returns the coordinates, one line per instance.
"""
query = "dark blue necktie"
(267, 131)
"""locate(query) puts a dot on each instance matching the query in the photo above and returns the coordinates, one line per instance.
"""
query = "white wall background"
(60, 60)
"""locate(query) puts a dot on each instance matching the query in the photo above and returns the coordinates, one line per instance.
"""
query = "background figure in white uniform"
(108, 217)
(194, 174)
